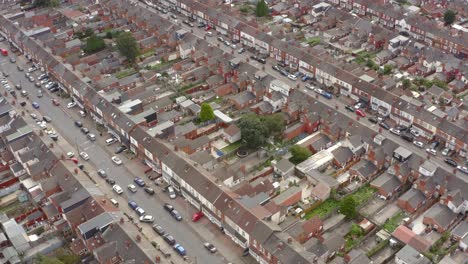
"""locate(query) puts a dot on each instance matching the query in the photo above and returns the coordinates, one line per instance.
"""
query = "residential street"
(100, 158)
(200, 33)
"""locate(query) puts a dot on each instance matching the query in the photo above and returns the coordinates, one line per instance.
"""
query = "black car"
(23, 103)
(176, 215)
(168, 207)
(169, 239)
(282, 64)
(407, 137)
(54, 89)
(85, 130)
(451, 162)
(384, 125)
(149, 190)
(120, 149)
(18, 87)
(110, 181)
(373, 120)
(401, 128)
(349, 108)
(158, 229)
(78, 124)
(262, 60)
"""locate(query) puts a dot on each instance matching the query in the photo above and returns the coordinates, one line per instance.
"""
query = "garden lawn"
(323, 209)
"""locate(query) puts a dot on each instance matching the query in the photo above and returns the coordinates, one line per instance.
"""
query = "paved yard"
(388, 211)
(460, 257)
(432, 237)
(369, 243)
(332, 222)
(383, 255)
(417, 225)
(341, 229)
(372, 206)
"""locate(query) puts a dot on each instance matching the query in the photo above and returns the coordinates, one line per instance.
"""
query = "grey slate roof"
(411, 255)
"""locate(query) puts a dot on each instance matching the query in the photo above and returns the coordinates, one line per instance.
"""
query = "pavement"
(188, 234)
(387, 212)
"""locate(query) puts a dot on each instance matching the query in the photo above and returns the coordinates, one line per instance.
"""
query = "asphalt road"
(63, 122)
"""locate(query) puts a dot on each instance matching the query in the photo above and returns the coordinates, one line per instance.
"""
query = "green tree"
(356, 230)
(274, 123)
(262, 9)
(348, 207)
(253, 130)
(449, 17)
(47, 260)
(387, 69)
(127, 46)
(406, 83)
(206, 113)
(299, 154)
(94, 44)
(46, 3)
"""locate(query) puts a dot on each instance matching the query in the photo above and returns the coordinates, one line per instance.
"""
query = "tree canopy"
(127, 46)
(348, 207)
(47, 3)
(449, 17)
(256, 129)
(262, 9)
(299, 154)
(94, 44)
(206, 113)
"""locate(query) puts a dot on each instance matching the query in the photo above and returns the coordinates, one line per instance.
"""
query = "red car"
(360, 113)
(55, 102)
(197, 216)
(4, 52)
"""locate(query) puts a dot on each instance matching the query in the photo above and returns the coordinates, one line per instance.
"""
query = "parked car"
(349, 108)
(445, 152)
(55, 102)
(78, 124)
(241, 50)
(120, 149)
(91, 137)
(360, 113)
(431, 151)
(197, 216)
(85, 130)
(210, 247)
(395, 131)
(71, 105)
(116, 160)
(168, 207)
(102, 173)
(463, 169)
(139, 181)
(84, 155)
(117, 189)
(110, 181)
(149, 190)
(292, 77)
(180, 250)
(132, 188)
(384, 125)
(373, 120)
(176, 215)
(133, 205)
(451, 162)
(418, 144)
(140, 211)
(35, 105)
(147, 219)
(159, 230)
(407, 137)
(169, 239)
(415, 132)
(171, 192)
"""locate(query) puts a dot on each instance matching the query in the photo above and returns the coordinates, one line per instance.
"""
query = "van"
(82, 114)
(114, 202)
(110, 141)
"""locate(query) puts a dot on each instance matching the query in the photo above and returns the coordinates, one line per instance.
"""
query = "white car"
(140, 211)
(84, 155)
(147, 219)
(33, 116)
(171, 192)
(395, 131)
(43, 125)
(431, 151)
(415, 132)
(70, 154)
(71, 105)
(117, 189)
(462, 169)
(292, 77)
(116, 160)
(132, 188)
(418, 144)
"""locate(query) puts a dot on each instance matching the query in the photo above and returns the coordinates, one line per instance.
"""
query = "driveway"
(372, 206)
